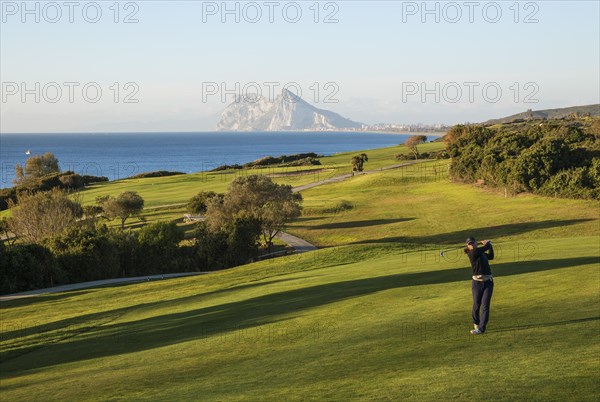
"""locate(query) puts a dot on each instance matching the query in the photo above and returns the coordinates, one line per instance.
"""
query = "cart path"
(85, 285)
(300, 245)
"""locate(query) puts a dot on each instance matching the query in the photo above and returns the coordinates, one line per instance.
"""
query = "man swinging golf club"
(483, 282)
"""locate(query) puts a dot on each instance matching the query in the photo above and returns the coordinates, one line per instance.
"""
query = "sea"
(120, 155)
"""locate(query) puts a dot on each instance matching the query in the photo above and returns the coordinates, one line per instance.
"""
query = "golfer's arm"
(485, 248)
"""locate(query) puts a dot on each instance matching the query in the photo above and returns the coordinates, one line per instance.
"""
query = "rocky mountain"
(286, 112)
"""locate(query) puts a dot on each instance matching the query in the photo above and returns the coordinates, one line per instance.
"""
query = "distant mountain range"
(286, 112)
(592, 110)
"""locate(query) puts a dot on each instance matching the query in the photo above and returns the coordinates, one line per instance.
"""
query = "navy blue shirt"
(479, 259)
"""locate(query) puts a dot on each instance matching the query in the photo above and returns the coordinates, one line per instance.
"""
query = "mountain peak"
(287, 111)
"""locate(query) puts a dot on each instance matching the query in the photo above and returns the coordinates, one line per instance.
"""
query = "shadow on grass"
(488, 232)
(356, 224)
(11, 331)
(49, 297)
(200, 324)
(306, 219)
(547, 324)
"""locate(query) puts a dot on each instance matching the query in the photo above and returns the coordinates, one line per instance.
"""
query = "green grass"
(418, 204)
(178, 189)
(357, 322)
(376, 315)
(158, 191)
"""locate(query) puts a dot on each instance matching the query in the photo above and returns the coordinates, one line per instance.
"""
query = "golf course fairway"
(375, 314)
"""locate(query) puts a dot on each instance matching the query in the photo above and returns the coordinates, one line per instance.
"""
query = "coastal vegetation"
(557, 158)
(305, 159)
(74, 245)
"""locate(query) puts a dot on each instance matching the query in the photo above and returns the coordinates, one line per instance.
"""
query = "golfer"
(483, 282)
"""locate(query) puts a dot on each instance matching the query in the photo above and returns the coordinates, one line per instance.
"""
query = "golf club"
(443, 252)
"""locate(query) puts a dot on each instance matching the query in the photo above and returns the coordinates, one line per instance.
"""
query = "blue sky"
(378, 58)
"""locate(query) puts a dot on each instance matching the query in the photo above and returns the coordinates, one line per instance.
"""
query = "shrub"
(27, 267)
(160, 173)
(242, 240)
(86, 255)
(158, 246)
(42, 215)
(198, 203)
(557, 157)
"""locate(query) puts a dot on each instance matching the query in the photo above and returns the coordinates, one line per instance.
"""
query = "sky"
(110, 66)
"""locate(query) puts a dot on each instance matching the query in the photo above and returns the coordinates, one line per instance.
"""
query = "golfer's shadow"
(546, 324)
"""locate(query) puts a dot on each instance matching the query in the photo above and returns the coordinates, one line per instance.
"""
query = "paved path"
(84, 285)
(349, 175)
(300, 245)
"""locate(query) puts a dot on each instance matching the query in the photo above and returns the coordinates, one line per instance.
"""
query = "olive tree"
(43, 214)
(123, 206)
(255, 197)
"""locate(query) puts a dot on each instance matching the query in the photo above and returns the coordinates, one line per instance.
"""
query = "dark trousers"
(482, 296)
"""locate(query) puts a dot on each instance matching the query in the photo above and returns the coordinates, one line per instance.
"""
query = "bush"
(160, 173)
(26, 267)
(341, 206)
(65, 181)
(158, 247)
(198, 203)
(44, 214)
(227, 167)
(556, 157)
(242, 241)
(301, 162)
(87, 179)
(7, 195)
(402, 157)
(86, 255)
(211, 247)
(283, 159)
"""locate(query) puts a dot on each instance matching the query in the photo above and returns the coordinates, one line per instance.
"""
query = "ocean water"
(125, 154)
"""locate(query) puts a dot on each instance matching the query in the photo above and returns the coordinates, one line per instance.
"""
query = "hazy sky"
(385, 61)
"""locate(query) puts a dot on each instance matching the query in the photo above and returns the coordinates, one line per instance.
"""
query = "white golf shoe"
(476, 331)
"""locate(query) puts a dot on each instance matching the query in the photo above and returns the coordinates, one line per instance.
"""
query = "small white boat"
(28, 152)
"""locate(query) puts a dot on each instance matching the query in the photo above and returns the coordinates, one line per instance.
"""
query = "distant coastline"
(433, 133)
(120, 155)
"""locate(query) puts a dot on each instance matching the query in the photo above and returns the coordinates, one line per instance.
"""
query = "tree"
(124, 206)
(211, 246)
(358, 162)
(256, 197)
(242, 241)
(413, 141)
(43, 214)
(197, 204)
(5, 232)
(26, 267)
(162, 235)
(36, 167)
(159, 246)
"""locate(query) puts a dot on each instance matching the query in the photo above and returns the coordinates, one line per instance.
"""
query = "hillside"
(556, 157)
(376, 314)
(592, 110)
